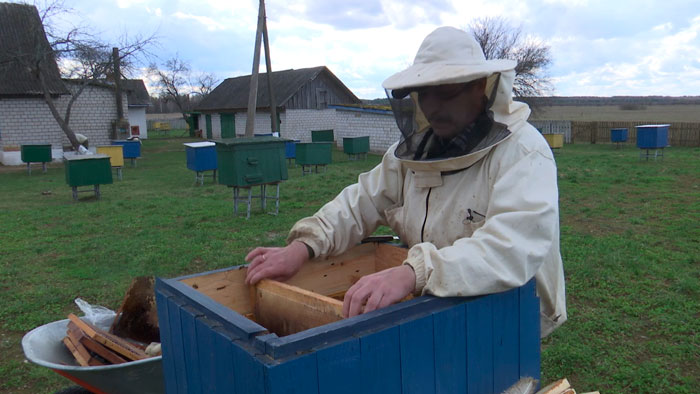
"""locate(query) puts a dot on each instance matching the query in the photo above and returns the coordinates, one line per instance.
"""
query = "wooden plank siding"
(307, 97)
(478, 346)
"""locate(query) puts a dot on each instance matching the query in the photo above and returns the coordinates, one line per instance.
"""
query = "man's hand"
(379, 290)
(275, 263)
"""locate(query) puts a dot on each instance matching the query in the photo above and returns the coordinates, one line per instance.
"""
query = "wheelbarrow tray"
(43, 346)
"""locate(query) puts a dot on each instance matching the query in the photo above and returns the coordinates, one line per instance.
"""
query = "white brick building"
(25, 118)
(29, 121)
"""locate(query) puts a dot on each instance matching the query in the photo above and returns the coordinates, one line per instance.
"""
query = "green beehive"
(36, 153)
(356, 145)
(85, 170)
(314, 153)
(251, 160)
(322, 135)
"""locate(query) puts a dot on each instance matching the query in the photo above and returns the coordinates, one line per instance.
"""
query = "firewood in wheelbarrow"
(137, 317)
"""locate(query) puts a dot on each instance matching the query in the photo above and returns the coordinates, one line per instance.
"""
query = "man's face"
(452, 107)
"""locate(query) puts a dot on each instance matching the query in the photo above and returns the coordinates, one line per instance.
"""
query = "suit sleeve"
(355, 213)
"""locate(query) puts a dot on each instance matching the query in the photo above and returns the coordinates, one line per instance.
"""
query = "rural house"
(25, 117)
(302, 98)
(307, 99)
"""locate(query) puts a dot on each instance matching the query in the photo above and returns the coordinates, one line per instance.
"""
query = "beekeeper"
(471, 188)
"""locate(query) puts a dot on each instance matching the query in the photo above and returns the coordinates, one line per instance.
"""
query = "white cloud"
(210, 24)
(663, 27)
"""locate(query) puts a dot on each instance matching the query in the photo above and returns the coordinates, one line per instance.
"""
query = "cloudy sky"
(599, 47)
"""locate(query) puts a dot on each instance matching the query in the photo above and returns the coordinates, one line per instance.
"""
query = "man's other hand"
(275, 263)
(379, 290)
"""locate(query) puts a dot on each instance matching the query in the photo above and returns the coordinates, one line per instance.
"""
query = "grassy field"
(630, 243)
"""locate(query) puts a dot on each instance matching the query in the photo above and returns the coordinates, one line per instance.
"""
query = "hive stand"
(95, 189)
(43, 168)
(263, 196)
(646, 154)
(199, 177)
(357, 156)
(306, 168)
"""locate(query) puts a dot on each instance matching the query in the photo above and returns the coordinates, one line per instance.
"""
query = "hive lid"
(250, 140)
(74, 156)
(199, 144)
(653, 125)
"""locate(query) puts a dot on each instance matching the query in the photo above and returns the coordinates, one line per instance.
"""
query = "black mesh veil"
(414, 126)
(409, 118)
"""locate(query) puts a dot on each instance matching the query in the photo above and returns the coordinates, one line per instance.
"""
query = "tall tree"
(173, 80)
(500, 40)
(85, 57)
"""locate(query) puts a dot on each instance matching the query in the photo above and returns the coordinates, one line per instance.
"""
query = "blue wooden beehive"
(618, 135)
(652, 136)
(132, 149)
(220, 336)
(290, 149)
(201, 156)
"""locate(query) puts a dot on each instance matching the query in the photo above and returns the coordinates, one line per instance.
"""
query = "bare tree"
(174, 82)
(87, 58)
(500, 40)
(205, 84)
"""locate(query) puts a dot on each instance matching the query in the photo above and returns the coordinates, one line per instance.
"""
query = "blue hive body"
(652, 136)
(618, 135)
(423, 345)
(132, 149)
(201, 156)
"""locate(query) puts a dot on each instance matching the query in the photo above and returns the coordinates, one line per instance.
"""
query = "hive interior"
(313, 297)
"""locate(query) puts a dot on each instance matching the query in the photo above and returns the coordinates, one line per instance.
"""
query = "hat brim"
(440, 74)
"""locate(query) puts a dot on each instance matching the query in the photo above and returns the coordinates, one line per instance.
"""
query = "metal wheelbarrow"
(43, 346)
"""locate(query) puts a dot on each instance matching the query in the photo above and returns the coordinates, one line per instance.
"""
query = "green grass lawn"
(630, 243)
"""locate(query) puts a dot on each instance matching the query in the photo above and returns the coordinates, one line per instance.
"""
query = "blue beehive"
(618, 135)
(201, 156)
(132, 149)
(652, 136)
(221, 336)
(290, 149)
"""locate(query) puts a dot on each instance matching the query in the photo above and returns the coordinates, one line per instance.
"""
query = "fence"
(554, 127)
(174, 124)
(679, 134)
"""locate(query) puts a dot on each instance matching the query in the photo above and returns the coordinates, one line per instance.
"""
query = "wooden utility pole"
(117, 83)
(119, 122)
(268, 65)
(253, 94)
